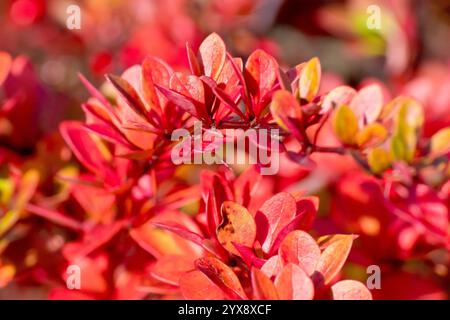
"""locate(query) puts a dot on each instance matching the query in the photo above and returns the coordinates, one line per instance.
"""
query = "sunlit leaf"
(345, 124)
(301, 249)
(309, 82)
(333, 258)
(273, 216)
(337, 97)
(350, 290)
(263, 287)
(237, 226)
(222, 276)
(379, 159)
(195, 285)
(440, 142)
(170, 268)
(294, 284)
(372, 134)
(285, 108)
(368, 103)
(212, 54)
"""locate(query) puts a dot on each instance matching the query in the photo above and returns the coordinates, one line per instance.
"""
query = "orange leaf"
(195, 285)
(169, 269)
(5, 65)
(301, 249)
(260, 74)
(333, 257)
(237, 226)
(222, 276)
(263, 287)
(294, 284)
(212, 54)
(285, 107)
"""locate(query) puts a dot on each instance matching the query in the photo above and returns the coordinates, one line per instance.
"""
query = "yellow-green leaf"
(372, 134)
(309, 81)
(379, 159)
(408, 121)
(345, 124)
(8, 220)
(28, 185)
(440, 142)
(6, 190)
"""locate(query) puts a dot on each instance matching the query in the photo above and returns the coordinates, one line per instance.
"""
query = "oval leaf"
(222, 276)
(350, 290)
(263, 287)
(309, 81)
(237, 226)
(294, 284)
(273, 216)
(212, 54)
(301, 249)
(285, 107)
(195, 285)
(345, 124)
(333, 257)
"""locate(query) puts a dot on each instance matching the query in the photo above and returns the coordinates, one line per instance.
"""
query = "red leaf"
(153, 71)
(181, 231)
(273, 216)
(237, 226)
(301, 249)
(222, 276)
(285, 110)
(263, 288)
(96, 94)
(248, 255)
(193, 61)
(212, 53)
(108, 133)
(169, 269)
(184, 103)
(195, 285)
(294, 284)
(55, 217)
(189, 85)
(228, 102)
(94, 238)
(260, 75)
(333, 258)
(82, 145)
(129, 94)
(307, 208)
(350, 290)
